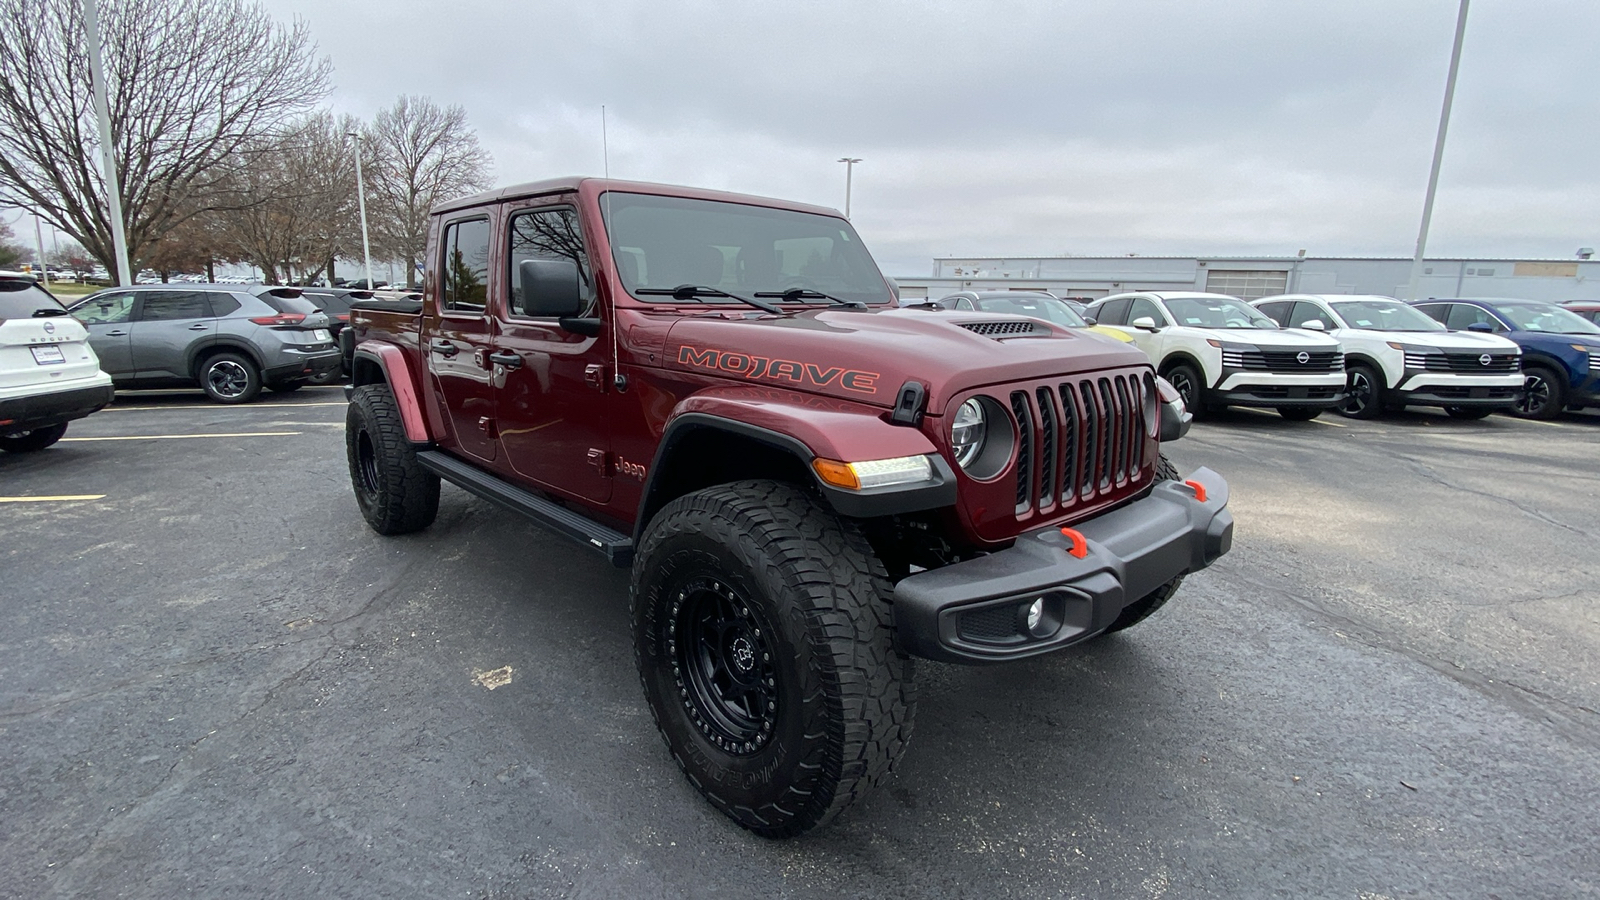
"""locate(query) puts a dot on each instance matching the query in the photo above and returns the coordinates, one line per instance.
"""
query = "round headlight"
(967, 432)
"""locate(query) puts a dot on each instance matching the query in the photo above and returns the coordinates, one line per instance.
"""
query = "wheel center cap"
(744, 655)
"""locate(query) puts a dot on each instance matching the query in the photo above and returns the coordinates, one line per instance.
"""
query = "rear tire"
(1299, 413)
(1365, 393)
(30, 441)
(765, 645)
(230, 378)
(395, 493)
(1141, 609)
(1544, 394)
(1468, 412)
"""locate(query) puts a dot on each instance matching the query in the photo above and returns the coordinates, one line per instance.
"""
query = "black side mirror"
(1483, 327)
(1091, 321)
(549, 287)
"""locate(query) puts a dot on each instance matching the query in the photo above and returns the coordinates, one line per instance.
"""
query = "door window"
(106, 309)
(166, 306)
(1435, 311)
(465, 267)
(1113, 312)
(1277, 311)
(1308, 312)
(1462, 315)
(547, 234)
(223, 304)
(1144, 306)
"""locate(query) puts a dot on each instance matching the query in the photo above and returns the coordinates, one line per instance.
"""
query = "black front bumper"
(1444, 395)
(976, 611)
(1276, 395)
(44, 410)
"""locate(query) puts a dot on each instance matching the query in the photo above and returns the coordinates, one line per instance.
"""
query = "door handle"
(199, 326)
(506, 358)
(116, 333)
(444, 348)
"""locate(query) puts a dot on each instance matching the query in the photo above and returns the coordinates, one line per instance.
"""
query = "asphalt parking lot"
(216, 681)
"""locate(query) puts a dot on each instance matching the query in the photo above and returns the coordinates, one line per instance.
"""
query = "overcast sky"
(1031, 128)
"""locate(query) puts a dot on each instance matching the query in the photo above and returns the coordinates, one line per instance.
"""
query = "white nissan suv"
(48, 374)
(1396, 356)
(1219, 351)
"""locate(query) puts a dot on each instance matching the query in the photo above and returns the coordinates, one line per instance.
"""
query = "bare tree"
(418, 154)
(11, 252)
(190, 83)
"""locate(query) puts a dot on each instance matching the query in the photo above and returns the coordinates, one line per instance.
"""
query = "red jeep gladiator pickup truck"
(811, 485)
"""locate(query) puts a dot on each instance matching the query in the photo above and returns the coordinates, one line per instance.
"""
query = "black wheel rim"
(722, 662)
(1535, 395)
(367, 462)
(1184, 385)
(227, 378)
(1360, 393)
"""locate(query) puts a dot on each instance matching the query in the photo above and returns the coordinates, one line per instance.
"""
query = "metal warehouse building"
(1259, 276)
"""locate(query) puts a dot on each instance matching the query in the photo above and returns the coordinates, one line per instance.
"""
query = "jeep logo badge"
(1485, 359)
(1303, 357)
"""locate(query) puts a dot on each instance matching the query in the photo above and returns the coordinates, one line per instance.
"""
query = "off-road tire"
(1545, 394)
(285, 387)
(1140, 609)
(1194, 395)
(1299, 413)
(1468, 412)
(229, 378)
(809, 594)
(395, 493)
(29, 441)
(1367, 402)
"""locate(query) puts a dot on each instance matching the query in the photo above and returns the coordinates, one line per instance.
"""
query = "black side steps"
(617, 547)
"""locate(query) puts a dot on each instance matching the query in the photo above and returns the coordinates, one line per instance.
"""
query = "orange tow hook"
(1199, 490)
(1080, 547)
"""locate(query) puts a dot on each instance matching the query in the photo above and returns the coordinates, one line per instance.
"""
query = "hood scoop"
(1005, 329)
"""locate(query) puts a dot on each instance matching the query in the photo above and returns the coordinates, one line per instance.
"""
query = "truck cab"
(811, 486)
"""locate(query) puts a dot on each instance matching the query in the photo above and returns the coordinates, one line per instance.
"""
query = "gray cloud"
(1031, 127)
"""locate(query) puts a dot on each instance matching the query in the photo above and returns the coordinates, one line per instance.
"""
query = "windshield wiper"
(695, 291)
(795, 295)
(46, 311)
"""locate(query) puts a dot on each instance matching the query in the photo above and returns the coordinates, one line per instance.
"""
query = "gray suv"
(231, 340)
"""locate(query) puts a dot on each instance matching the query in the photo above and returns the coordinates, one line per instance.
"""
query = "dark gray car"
(231, 340)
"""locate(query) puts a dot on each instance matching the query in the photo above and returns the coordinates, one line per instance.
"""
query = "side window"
(106, 309)
(1277, 311)
(168, 306)
(465, 267)
(1308, 312)
(223, 304)
(547, 234)
(1462, 315)
(1114, 312)
(1435, 311)
(1144, 306)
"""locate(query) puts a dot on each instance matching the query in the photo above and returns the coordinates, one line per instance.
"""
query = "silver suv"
(231, 340)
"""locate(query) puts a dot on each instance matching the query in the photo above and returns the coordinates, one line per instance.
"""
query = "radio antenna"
(618, 380)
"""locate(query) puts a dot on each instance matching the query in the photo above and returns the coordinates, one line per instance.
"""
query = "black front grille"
(1080, 440)
(1287, 361)
(1499, 363)
(999, 329)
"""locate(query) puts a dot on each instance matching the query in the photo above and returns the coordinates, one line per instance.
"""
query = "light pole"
(849, 170)
(361, 201)
(38, 237)
(1438, 153)
(97, 76)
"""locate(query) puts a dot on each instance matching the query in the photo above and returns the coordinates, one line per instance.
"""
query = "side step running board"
(616, 546)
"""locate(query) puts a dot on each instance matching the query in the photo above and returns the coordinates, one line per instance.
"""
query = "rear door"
(462, 335)
(165, 325)
(552, 402)
(109, 318)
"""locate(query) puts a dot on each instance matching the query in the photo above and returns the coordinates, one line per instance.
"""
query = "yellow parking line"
(61, 499)
(220, 406)
(173, 437)
(1334, 424)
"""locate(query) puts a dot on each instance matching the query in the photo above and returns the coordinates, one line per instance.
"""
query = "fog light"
(1035, 615)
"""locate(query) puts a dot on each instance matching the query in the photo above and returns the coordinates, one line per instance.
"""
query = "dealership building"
(1088, 277)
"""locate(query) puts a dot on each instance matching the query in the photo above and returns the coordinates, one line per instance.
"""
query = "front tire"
(1186, 381)
(395, 493)
(30, 441)
(1365, 393)
(764, 642)
(1544, 394)
(230, 378)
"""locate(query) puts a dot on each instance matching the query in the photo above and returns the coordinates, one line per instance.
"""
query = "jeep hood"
(866, 355)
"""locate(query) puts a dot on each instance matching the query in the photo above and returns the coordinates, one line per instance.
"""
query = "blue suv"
(1560, 349)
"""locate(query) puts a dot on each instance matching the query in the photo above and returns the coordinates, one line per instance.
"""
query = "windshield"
(1546, 317)
(1384, 315)
(1216, 312)
(21, 299)
(1047, 308)
(664, 242)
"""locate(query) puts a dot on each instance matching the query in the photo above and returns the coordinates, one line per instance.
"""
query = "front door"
(462, 336)
(555, 385)
(165, 325)
(109, 320)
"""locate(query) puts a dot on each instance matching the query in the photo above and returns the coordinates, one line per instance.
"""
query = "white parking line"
(174, 437)
(1318, 421)
(219, 406)
(64, 498)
